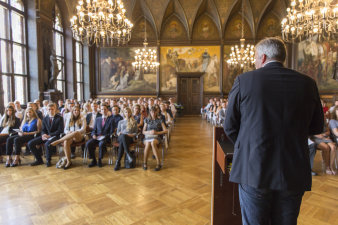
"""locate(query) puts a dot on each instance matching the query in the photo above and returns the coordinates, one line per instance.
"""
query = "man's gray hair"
(273, 48)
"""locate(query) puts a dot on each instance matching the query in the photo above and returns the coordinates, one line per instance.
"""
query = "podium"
(225, 207)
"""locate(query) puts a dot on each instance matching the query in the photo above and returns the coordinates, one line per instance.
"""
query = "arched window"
(59, 43)
(13, 48)
(79, 69)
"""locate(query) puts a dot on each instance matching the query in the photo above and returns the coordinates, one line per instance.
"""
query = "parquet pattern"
(179, 194)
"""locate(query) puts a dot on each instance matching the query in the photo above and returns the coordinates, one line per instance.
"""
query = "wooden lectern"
(225, 208)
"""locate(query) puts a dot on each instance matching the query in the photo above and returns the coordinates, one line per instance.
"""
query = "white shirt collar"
(271, 62)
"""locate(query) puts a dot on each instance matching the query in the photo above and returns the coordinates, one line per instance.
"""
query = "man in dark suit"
(103, 128)
(52, 127)
(271, 112)
(91, 117)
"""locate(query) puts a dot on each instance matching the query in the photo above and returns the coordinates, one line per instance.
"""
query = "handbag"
(61, 163)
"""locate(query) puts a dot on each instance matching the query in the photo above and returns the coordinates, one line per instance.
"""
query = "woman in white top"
(75, 130)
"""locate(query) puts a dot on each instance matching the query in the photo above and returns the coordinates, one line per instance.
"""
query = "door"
(189, 95)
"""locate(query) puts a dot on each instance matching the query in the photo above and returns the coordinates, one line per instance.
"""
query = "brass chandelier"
(308, 18)
(145, 58)
(240, 55)
(101, 22)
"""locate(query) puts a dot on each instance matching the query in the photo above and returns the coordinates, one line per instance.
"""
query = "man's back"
(271, 112)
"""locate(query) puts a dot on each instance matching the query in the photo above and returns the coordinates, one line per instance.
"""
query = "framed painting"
(190, 59)
(117, 75)
(319, 61)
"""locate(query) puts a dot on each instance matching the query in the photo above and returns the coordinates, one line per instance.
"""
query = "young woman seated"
(328, 148)
(75, 130)
(153, 127)
(138, 116)
(7, 123)
(126, 131)
(168, 119)
(333, 125)
(31, 125)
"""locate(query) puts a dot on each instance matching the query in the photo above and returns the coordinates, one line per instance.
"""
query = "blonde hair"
(74, 119)
(131, 122)
(25, 118)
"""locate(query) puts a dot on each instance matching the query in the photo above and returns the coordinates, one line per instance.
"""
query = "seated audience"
(19, 111)
(167, 118)
(7, 123)
(86, 109)
(75, 129)
(222, 112)
(138, 116)
(44, 109)
(144, 111)
(31, 125)
(35, 108)
(91, 117)
(126, 131)
(52, 128)
(104, 127)
(60, 105)
(333, 125)
(335, 103)
(328, 148)
(153, 127)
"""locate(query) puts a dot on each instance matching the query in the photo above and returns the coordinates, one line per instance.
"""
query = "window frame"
(61, 57)
(79, 62)
(10, 42)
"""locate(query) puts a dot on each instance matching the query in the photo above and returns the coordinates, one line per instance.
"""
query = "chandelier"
(240, 55)
(145, 58)
(308, 18)
(101, 22)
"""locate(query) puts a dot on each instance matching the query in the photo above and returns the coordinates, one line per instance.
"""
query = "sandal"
(329, 172)
(145, 166)
(158, 168)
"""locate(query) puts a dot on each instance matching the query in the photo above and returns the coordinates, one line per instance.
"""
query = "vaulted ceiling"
(184, 20)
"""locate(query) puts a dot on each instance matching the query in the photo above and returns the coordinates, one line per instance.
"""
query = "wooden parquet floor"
(179, 194)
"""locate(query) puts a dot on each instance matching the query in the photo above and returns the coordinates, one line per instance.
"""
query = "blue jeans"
(269, 207)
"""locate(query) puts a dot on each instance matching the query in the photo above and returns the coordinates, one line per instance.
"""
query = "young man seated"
(104, 126)
(52, 128)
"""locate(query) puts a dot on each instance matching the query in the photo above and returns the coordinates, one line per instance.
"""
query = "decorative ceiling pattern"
(195, 16)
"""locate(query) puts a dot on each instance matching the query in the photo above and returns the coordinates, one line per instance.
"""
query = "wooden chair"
(115, 146)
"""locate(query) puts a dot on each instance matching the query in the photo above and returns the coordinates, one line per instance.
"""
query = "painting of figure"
(118, 75)
(190, 59)
(318, 60)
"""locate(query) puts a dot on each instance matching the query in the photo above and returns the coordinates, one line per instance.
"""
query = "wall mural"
(318, 60)
(190, 59)
(118, 75)
(270, 27)
(233, 30)
(205, 29)
(230, 74)
(174, 30)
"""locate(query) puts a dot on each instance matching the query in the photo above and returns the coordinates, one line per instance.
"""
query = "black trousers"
(91, 146)
(124, 143)
(38, 152)
(3, 140)
(16, 141)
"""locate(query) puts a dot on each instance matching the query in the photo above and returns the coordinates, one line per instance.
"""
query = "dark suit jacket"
(89, 117)
(54, 129)
(271, 113)
(106, 130)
